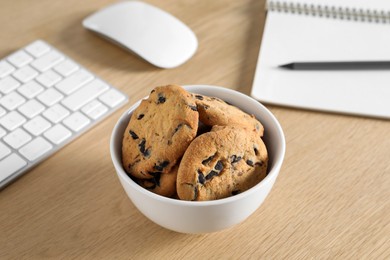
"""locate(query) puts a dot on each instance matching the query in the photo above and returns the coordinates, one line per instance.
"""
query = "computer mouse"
(153, 34)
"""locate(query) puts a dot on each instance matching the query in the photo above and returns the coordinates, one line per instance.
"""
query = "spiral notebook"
(333, 30)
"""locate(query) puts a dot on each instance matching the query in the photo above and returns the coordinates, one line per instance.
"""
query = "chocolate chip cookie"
(159, 132)
(215, 111)
(221, 163)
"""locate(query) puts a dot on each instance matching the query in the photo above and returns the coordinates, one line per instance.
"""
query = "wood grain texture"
(331, 200)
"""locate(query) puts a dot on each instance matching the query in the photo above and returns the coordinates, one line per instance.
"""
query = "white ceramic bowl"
(205, 216)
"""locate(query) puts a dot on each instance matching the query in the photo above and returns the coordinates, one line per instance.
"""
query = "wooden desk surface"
(331, 199)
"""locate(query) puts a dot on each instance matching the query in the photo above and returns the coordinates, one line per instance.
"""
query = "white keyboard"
(46, 101)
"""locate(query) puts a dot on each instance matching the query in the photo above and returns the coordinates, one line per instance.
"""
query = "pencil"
(338, 65)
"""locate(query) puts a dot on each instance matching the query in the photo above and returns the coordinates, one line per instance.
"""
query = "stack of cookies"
(193, 147)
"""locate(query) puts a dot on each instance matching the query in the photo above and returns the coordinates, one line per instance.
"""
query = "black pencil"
(338, 65)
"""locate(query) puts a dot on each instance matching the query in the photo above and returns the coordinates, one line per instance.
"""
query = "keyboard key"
(25, 74)
(112, 98)
(56, 113)
(58, 134)
(76, 121)
(91, 106)
(48, 78)
(10, 165)
(35, 149)
(30, 89)
(37, 48)
(4, 150)
(47, 61)
(50, 97)
(66, 67)
(85, 94)
(37, 125)
(12, 100)
(8, 84)
(74, 81)
(19, 58)
(98, 112)
(31, 108)
(12, 120)
(17, 138)
(5, 68)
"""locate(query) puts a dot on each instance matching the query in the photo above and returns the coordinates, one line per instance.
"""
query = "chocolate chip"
(193, 108)
(218, 166)
(177, 128)
(201, 178)
(161, 99)
(260, 163)
(141, 146)
(249, 162)
(156, 177)
(133, 135)
(211, 174)
(235, 158)
(146, 153)
(235, 192)
(206, 161)
(199, 97)
(140, 116)
(154, 181)
(256, 151)
(161, 166)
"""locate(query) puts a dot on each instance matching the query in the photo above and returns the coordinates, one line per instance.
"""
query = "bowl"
(205, 216)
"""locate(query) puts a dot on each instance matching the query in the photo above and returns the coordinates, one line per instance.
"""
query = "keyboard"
(46, 101)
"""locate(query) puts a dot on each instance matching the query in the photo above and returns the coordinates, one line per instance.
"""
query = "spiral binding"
(339, 12)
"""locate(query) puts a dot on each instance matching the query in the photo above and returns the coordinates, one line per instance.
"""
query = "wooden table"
(331, 199)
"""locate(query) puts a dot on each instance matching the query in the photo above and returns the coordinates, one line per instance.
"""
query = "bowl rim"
(274, 171)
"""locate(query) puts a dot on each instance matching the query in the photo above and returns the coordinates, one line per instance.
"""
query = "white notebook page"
(292, 38)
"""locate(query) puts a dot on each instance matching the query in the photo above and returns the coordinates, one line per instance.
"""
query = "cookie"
(215, 111)
(161, 184)
(221, 163)
(159, 132)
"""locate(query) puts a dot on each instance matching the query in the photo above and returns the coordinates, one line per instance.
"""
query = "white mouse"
(153, 34)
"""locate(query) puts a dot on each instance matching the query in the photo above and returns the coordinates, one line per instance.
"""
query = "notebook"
(333, 30)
